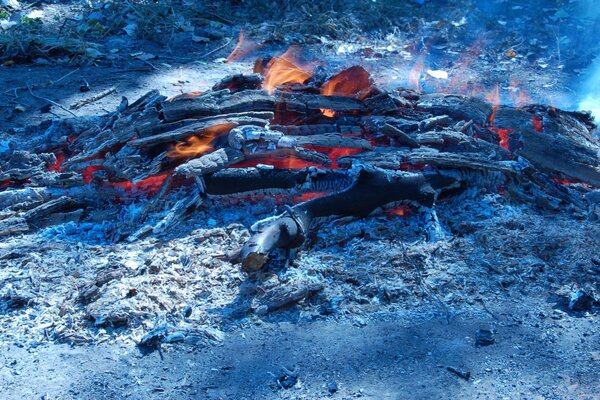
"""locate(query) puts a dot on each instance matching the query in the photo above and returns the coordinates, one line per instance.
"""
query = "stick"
(50, 101)
(94, 98)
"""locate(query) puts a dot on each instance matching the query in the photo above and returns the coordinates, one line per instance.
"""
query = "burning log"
(372, 188)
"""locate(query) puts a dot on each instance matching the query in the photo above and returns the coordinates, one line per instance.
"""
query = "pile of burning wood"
(331, 146)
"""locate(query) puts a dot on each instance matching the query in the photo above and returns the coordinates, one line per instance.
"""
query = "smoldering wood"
(372, 188)
(242, 180)
(287, 297)
(211, 162)
(456, 106)
(186, 131)
(399, 136)
(316, 129)
(223, 101)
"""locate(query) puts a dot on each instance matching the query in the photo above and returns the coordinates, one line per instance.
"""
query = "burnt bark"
(372, 188)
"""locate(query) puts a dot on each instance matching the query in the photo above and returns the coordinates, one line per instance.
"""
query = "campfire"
(327, 147)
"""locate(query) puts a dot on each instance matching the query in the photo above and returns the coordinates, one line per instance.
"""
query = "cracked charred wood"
(159, 127)
(211, 162)
(399, 136)
(240, 82)
(316, 129)
(329, 140)
(456, 106)
(241, 180)
(223, 101)
(217, 102)
(372, 188)
(21, 165)
(186, 131)
(561, 154)
(61, 204)
(12, 225)
(289, 296)
(381, 104)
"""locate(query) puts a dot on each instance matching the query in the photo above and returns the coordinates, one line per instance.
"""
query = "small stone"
(287, 379)
(262, 310)
(187, 311)
(484, 337)
(581, 301)
(332, 387)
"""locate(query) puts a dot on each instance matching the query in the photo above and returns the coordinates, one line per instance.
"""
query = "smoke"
(590, 90)
(589, 85)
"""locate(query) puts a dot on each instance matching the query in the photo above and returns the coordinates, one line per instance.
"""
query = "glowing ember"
(285, 70)
(150, 185)
(504, 134)
(400, 211)
(243, 48)
(352, 82)
(328, 113)
(188, 95)
(291, 162)
(308, 196)
(200, 144)
(60, 158)
(334, 153)
(88, 172)
(537, 123)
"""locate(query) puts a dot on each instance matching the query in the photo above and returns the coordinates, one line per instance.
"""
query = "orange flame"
(493, 98)
(200, 144)
(242, 48)
(399, 211)
(327, 112)
(352, 82)
(285, 70)
(188, 95)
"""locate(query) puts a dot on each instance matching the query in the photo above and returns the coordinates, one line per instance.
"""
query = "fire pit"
(303, 192)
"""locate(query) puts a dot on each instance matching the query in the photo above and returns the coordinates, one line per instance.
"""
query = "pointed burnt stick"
(372, 188)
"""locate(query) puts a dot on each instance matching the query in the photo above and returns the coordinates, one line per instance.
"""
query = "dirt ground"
(394, 356)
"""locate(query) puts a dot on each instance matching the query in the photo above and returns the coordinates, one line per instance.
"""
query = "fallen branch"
(372, 188)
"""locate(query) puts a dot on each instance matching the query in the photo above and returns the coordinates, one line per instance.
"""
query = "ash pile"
(285, 195)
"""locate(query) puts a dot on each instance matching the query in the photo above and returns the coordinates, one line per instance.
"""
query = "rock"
(484, 337)
(581, 301)
(332, 387)
(187, 311)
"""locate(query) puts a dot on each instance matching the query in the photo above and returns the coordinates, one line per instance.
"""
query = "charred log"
(372, 188)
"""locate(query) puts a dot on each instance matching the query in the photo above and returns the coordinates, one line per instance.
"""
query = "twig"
(39, 85)
(217, 49)
(50, 101)
(92, 99)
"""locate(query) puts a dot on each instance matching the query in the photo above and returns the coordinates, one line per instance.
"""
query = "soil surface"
(537, 356)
